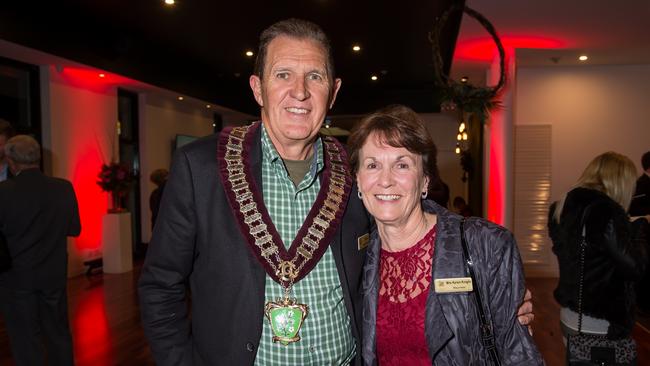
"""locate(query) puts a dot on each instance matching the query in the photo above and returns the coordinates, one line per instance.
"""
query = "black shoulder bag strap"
(487, 337)
(583, 247)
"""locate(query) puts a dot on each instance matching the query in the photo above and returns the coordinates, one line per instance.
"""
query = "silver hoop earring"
(424, 195)
(359, 194)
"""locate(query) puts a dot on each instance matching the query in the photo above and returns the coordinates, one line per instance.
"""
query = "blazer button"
(250, 347)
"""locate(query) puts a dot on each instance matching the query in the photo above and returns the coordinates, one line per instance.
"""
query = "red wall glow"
(484, 49)
(90, 79)
(496, 159)
(83, 119)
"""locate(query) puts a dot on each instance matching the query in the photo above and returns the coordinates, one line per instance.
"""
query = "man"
(640, 206)
(263, 233)
(6, 132)
(641, 200)
(37, 215)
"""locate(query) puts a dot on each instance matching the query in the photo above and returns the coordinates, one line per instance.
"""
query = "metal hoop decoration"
(443, 80)
(359, 194)
(424, 195)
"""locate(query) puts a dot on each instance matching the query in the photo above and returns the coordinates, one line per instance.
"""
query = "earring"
(359, 194)
(424, 195)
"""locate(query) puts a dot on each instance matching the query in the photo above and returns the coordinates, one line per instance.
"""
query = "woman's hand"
(525, 313)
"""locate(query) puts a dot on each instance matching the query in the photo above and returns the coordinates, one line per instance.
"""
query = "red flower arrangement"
(115, 178)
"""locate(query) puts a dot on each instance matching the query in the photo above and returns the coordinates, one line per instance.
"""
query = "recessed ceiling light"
(180, 98)
(102, 75)
(583, 58)
(208, 106)
(374, 78)
(170, 2)
(249, 53)
(356, 48)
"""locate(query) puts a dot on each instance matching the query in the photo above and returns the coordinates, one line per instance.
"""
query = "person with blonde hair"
(614, 256)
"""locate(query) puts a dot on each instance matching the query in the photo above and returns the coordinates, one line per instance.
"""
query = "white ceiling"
(556, 32)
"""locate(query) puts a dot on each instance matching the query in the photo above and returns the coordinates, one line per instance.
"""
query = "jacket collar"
(446, 254)
(447, 263)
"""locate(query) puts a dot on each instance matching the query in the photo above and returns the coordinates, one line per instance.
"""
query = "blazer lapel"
(370, 300)
(447, 263)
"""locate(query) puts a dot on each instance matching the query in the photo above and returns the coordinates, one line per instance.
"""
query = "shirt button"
(312, 349)
(250, 347)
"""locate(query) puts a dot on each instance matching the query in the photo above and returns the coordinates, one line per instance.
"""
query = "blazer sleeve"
(506, 292)
(162, 285)
(74, 229)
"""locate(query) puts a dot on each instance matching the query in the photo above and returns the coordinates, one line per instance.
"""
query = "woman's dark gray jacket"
(452, 325)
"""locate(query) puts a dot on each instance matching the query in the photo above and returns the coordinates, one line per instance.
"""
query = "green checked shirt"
(326, 335)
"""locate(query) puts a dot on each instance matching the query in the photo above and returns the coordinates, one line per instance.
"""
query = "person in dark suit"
(640, 206)
(37, 214)
(6, 132)
(159, 178)
(259, 213)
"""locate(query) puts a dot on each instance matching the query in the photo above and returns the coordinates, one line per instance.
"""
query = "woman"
(615, 255)
(408, 317)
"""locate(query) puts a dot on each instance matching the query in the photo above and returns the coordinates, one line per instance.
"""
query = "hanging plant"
(463, 95)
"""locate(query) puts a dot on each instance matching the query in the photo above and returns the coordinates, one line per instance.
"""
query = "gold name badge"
(363, 241)
(451, 285)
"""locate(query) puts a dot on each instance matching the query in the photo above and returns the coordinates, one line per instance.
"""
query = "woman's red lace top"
(405, 280)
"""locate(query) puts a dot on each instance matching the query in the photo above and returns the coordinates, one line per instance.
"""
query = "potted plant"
(116, 179)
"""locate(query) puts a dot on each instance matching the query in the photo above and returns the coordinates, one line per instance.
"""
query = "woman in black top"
(614, 256)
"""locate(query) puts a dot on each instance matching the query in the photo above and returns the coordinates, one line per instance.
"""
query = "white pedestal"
(116, 243)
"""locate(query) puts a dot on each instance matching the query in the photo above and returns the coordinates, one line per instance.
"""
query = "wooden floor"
(105, 322)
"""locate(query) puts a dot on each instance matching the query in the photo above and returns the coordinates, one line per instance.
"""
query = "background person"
(409, 320)
(6, 132)
(461, 207)
(640, 206)
(159, 178)
(37, 214)
(615, 256)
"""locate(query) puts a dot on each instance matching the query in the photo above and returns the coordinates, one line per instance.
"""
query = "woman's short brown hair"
(398, 126)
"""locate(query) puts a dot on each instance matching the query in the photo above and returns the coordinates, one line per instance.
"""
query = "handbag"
(487, 337)
(588, 349)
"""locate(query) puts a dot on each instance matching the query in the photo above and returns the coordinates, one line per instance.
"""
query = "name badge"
(363, 241)
(451, 285)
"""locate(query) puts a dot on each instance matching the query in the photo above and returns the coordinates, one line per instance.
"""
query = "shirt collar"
(271, 154)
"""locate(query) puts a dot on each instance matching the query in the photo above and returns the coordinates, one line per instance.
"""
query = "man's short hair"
(645, 160)
(293, 28)
(6, 130)
(23, 150)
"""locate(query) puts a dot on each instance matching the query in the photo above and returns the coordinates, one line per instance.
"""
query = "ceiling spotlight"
(180, 98)
(102, 75)
(208, 106)
(374, 78)
(583, 58)
(464, 79)
(249, 53)
(170, 2)
(356, 48)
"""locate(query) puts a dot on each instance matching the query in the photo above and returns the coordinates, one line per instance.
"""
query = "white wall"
(592, 109)
(81, 118)
(160, 122)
